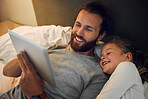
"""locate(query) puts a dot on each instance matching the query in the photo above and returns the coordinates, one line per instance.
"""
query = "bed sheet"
(43, 35)
(6, 83)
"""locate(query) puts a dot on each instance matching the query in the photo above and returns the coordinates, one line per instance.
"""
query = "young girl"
(122, 62)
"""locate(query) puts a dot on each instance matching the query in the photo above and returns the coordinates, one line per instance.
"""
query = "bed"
(6, 83)
(50, 34)
(43, 35)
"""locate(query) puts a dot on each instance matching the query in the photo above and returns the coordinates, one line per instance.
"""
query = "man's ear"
(101, 36)
(129, 56)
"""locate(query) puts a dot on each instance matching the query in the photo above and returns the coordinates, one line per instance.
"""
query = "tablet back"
(36, 53)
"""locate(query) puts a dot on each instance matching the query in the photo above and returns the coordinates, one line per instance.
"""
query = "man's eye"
(78, 25)
(88, 29)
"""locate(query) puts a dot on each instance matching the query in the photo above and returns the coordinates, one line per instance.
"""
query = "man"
(76, 66)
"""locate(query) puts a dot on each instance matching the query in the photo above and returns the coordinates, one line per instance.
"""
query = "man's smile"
(78, 39)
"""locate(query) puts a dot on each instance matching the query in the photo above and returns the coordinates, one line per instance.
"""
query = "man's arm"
(30, 83)
(12, 69)
(94, 87)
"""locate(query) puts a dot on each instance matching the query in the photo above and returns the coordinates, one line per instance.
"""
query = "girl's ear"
(129, 56)
(101, 36)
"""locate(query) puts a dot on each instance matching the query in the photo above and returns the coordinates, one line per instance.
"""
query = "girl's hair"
(140, 59)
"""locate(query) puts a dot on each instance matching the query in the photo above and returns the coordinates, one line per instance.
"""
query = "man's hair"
(97, 8)
(140, 59)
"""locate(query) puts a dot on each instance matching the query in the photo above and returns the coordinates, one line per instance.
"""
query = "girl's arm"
(123, 78)
(12, 68)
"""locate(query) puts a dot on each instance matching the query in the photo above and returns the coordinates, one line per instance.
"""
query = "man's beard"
(85, 47)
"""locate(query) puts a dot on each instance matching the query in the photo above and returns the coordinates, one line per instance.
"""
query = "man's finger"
(21, 62)
(27, 62)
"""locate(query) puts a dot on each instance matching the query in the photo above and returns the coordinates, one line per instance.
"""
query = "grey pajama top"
(77, 76)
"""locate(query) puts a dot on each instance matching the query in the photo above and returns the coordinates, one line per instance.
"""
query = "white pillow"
(43, 35)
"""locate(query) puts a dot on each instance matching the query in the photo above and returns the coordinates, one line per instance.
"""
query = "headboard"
(5, 25)
(130, 17)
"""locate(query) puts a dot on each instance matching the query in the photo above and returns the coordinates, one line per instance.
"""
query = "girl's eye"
(108, 53)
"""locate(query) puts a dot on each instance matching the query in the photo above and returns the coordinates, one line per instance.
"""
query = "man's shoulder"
(57, 46)
(98, 48)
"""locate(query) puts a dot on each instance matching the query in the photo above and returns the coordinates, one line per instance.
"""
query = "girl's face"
(111, 56)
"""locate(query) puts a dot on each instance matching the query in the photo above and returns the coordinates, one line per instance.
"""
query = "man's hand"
(31, 84)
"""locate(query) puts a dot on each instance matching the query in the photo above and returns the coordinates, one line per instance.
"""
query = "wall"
(130, 17)
(58, 12)
(130, 20)
(19, 11)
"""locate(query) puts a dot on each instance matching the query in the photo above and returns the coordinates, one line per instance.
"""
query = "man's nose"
(80, 32)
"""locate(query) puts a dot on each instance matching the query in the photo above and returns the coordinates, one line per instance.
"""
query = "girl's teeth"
(105, 63)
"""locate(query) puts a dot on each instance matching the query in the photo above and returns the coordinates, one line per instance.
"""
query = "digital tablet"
(37, 54)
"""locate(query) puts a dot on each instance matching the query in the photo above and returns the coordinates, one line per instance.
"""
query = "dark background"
(130, 17)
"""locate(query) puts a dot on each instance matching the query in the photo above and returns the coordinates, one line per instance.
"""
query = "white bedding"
(43, 35)
(6, 83)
